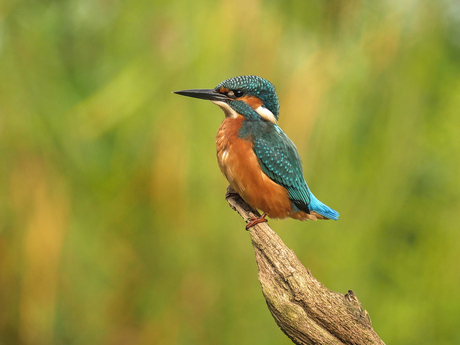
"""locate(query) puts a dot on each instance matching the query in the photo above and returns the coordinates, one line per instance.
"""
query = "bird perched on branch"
(258, 159)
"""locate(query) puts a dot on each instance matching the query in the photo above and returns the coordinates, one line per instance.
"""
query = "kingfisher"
(258, 159)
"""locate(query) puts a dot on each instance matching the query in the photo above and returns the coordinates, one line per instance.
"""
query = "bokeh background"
(113, 223)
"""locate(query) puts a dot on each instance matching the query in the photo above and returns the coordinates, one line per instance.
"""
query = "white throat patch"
(261, 110)
(266, 114)
(229, 112)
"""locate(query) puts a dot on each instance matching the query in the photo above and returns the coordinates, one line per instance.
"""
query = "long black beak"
(208, 94)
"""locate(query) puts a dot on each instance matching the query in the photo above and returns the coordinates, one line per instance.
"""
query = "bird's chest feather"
(231, 149)
(241, 167)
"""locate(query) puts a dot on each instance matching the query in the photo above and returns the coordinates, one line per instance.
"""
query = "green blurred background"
(113, 223)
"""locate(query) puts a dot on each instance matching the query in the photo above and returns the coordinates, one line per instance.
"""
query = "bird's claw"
(256, 220)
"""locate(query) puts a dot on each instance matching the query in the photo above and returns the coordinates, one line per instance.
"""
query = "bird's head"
(250, 96)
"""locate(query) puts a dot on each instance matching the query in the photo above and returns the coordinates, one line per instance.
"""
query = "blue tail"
(319, 207)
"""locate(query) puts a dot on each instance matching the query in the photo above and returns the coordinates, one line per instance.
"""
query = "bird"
(258, 159)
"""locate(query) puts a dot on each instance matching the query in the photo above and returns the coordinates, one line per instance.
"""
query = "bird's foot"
(256, 220)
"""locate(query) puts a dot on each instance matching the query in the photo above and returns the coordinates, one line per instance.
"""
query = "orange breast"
(240, 166)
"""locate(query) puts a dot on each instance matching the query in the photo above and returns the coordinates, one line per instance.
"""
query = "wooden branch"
(305, 310)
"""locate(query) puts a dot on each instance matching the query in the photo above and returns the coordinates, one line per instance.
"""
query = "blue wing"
(281, 162)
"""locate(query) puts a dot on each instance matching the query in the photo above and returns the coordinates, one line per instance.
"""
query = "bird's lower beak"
(208, 94)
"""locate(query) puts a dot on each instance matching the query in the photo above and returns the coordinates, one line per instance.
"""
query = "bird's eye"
(235, 93)
(238, 93)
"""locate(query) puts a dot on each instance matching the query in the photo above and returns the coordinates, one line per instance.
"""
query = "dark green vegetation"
(113, 225)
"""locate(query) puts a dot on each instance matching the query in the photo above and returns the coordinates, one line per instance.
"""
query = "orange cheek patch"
(252, 101)
(223, 90)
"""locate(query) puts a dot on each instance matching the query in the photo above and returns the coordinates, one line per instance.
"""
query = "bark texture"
(304, 309)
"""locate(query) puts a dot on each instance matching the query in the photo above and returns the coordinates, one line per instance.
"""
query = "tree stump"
(303, 308)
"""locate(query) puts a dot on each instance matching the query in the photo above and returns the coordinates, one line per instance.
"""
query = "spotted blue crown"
(253, 85)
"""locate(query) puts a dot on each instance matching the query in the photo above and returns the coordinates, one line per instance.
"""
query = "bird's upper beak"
(208, 94)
